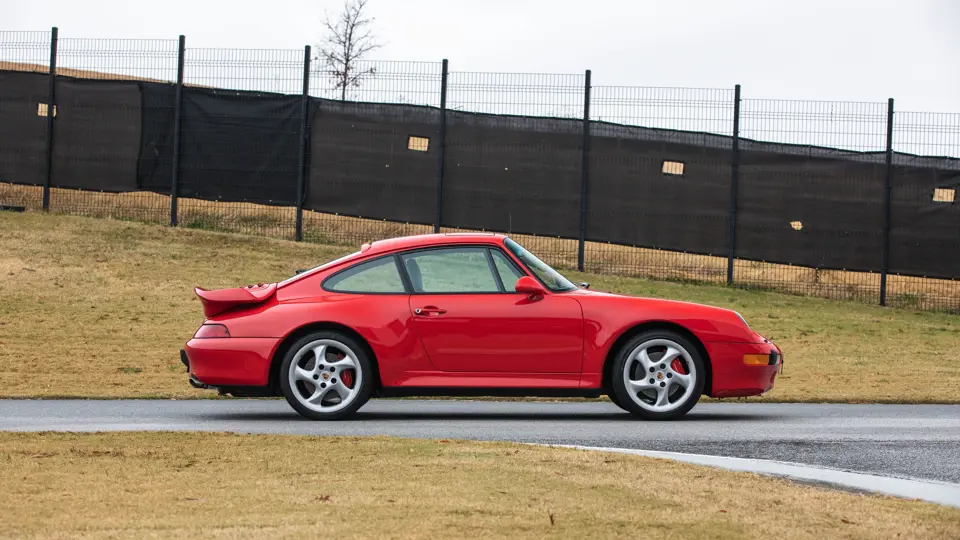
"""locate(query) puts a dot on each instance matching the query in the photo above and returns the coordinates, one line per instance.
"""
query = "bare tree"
(347, 39)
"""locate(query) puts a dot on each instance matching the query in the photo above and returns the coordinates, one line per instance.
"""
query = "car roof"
(430, 240)
(400, 243)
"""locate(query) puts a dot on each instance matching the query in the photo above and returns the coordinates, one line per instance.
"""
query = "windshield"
(550, 277)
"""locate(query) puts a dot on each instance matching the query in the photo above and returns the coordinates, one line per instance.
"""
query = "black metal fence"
(837, 199)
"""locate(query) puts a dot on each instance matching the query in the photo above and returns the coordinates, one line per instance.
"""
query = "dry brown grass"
(78, 73)
(100, 307)
(140, 485)
(278, 222)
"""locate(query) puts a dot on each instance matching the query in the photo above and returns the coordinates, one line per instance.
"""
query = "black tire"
(613, 397)
(618, 384)
(364, 365)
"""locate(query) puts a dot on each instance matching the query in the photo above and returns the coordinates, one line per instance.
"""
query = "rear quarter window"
(377, 276)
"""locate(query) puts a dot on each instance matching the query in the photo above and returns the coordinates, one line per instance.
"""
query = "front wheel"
(613, 397)
(658, 375)
(326, 376)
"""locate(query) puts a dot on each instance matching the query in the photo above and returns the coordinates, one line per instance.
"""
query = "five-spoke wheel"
(325, 376)
(658, 375)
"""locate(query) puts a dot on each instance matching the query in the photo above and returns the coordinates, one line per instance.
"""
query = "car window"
(508, 272)
(377, 276)
(550, 277)
(451, 270)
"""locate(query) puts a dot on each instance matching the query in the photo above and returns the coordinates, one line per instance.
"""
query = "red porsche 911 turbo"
(467, 315)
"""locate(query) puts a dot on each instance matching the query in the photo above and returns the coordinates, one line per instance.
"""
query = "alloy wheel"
(325, 376)
(660, 375)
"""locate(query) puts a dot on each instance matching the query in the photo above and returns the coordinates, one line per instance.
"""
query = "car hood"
(715, 323)
(643, 299)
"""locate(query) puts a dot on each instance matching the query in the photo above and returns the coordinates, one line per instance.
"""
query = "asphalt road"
(904, 441)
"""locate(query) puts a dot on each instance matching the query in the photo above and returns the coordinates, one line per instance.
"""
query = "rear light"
(212, 331)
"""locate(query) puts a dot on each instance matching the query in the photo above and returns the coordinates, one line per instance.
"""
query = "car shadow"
(386, 416)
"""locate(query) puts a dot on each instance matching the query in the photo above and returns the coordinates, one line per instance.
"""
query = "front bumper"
(733, 378)
(229, 361)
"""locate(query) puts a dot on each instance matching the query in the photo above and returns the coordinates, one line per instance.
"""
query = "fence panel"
(659, 185)
(514, 158)
(240, 140)
(373, 158)
(101, 112)
(925, 211)
(24, 91)
(811, 196)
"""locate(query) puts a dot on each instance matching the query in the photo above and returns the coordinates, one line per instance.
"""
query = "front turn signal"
(771, 359)
(756, 359)
(212, 331)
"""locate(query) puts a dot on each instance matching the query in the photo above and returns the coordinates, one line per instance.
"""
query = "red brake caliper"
(678, 367)
(346, 376)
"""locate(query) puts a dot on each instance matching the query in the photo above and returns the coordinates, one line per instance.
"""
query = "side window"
(508, 272)
(377, 276)
(451, 270)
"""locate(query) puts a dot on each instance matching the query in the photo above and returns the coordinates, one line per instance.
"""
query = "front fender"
(607, 318)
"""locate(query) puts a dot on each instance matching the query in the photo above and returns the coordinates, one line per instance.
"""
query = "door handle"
(429, 310)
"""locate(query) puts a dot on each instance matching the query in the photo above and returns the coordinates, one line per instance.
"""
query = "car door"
(470, 319)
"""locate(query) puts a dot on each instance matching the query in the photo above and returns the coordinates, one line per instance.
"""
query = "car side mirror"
(584, 285)
(530, 286)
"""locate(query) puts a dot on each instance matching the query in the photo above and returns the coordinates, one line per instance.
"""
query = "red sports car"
(467, 315)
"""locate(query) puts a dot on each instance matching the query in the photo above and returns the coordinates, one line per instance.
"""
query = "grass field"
(100, 307)
(193, 485)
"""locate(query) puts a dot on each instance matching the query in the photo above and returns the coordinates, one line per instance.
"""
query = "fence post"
(734, 184)
(304, 135)
(51, 112)
(585, 170)
(442, 145)
(178, 106)
(887, 187)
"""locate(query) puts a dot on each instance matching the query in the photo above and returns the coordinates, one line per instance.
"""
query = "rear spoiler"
(220, 300)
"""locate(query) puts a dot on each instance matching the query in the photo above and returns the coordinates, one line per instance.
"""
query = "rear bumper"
(733, 378)
(230, 361)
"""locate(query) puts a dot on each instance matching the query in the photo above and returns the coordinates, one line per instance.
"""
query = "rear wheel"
(658, 375)
(326, 376)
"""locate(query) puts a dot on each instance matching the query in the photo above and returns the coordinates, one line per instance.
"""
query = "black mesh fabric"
(803, 205)
(513, 174)
(239, 146)
(819, 212)
(924, 235)
(631, 201)
(22, 131)
(360, 163)
(155, 167)
(96, 135)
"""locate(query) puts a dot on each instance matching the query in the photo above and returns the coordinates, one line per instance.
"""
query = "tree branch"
(346, 41)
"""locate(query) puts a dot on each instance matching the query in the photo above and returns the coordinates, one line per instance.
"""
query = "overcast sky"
(858, 50)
